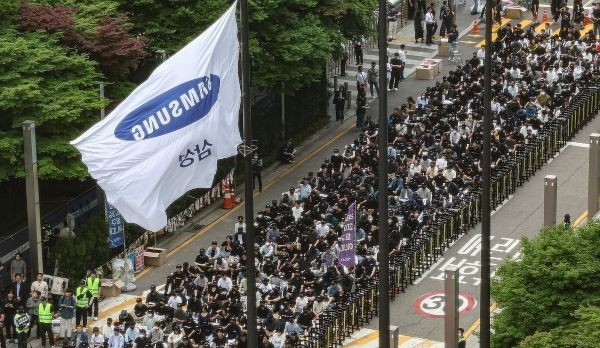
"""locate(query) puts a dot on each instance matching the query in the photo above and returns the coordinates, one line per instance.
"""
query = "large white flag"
(167, 136)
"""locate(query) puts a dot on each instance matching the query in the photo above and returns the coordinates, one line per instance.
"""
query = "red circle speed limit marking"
(431, 305)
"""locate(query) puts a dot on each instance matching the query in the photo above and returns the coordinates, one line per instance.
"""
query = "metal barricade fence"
(422, 251)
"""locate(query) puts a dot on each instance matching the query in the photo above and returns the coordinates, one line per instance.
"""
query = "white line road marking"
(572, 143)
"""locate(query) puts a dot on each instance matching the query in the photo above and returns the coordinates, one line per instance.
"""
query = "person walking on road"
(418, 23)
(257, 166)
(373, 78)
(402, 57)
(361, 107)
(45, 316)
(93, 284)
(66, 306)
(83, 297)
(21, 322)
(452, 41)
(361, 78)
(358, 51)
(392, 15)
(396, 64)
(339, 100)
(447, 17)
(17, 266)
(2, 320)
(462, 342)
(429, 27)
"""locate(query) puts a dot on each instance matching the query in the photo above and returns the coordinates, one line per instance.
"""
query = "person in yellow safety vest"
(83, 298)
(21, 321)
(93, 284)
(462, 342)
(45, 316)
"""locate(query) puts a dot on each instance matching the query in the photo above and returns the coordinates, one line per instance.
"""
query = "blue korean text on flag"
(116, 227)
(348, 240)
(167, 136)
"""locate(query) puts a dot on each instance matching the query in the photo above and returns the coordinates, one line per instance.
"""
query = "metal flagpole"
(246, 149)
(484, 308)
(383, 254)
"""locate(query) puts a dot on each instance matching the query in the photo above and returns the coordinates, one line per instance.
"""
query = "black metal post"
(249, 204)
(484, 309)
(384, 237)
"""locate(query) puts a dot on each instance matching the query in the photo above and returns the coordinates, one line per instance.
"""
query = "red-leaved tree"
(112, 45)
(114, 48)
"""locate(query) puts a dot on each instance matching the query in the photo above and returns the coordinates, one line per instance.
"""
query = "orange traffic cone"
(228, 196)
(475, 27)
(544, 16)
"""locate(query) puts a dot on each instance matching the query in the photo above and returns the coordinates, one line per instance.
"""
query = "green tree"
(86, 251)
(170, 24)
(584, 332)
(290, 40)
(105, 37)
(44, 82)
(558, 273)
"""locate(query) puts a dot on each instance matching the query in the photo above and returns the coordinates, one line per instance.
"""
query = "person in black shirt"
(2, 321)
(262, 311)
(257, 166)
(175, 280)
(140, 309)
(233, 330)
(142, 341)
(219, 339)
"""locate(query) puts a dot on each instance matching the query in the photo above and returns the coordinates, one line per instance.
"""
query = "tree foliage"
(584, 332)
(109, 43)
(540, 294)
(170, 24)
(44, 82)
(290, 39)
(89, 249)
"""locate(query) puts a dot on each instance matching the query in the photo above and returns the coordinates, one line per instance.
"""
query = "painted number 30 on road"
(432, 304)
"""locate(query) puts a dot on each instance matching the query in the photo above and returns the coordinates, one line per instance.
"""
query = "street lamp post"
(162, 54)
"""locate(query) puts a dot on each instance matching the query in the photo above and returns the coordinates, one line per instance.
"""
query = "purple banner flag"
(348, 240)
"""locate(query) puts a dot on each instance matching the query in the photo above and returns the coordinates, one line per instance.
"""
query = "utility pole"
(36, 263)
(283, 112)
(384, 237)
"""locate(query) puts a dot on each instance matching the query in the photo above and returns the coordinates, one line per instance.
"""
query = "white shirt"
(238, 225)
(441, 163)
(40, 286)
(429, 19)
(513, 90)
(174, 301)
(266, 250)
(481, 53)
(297, 212)
(402, 56)
(301, 302)
(97, 340)
(108, 331)
(322, 229)
(361, 78)
(225, 283)
(449, 174)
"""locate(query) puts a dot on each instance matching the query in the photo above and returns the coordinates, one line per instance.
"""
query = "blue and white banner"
(167, 136)
(116, 227)
(348, 240)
